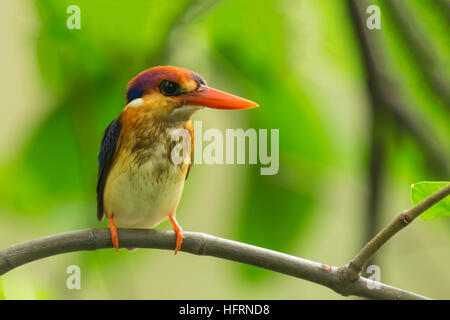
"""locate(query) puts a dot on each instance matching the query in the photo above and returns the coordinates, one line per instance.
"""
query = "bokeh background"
(362, 114)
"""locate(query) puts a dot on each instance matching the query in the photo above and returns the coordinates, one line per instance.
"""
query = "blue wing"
(105, 160)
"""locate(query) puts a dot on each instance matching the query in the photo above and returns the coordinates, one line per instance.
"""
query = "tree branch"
(353, 269)
(199, 244)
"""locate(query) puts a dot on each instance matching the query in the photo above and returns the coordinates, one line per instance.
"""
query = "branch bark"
(199, 244)
(353, 269)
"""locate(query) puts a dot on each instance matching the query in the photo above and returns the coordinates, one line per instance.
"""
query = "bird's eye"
(169, 88)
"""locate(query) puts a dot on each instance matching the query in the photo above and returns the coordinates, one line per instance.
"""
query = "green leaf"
(422, 190)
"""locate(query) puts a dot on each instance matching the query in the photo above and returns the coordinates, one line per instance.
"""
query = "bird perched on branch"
(139, 183)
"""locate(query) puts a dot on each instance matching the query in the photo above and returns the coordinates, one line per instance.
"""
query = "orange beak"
(213, 98)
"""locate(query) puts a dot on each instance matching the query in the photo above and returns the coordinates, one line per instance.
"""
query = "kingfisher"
(139, 183)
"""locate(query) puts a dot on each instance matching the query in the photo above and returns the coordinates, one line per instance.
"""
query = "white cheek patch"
(135, 103)
(184, 112)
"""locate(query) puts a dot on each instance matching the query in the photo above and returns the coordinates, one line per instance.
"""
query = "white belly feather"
(143, 196)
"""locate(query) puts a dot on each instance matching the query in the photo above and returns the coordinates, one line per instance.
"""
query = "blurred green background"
(360, 119)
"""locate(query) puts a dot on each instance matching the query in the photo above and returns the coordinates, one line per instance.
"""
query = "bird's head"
(175, 93)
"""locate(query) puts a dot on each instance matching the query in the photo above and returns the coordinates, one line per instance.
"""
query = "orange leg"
(178, 231)
(113, 229)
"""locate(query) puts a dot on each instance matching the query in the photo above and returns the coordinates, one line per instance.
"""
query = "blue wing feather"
(105, 160)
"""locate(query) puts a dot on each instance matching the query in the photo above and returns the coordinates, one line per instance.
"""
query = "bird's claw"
(178, 231)
(113, 231)
(179, 234)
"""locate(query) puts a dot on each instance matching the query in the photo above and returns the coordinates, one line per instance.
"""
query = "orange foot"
(178, 231)
(113, 229)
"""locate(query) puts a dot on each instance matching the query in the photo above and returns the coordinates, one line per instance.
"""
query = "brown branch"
(353, 269)
(199, 244)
